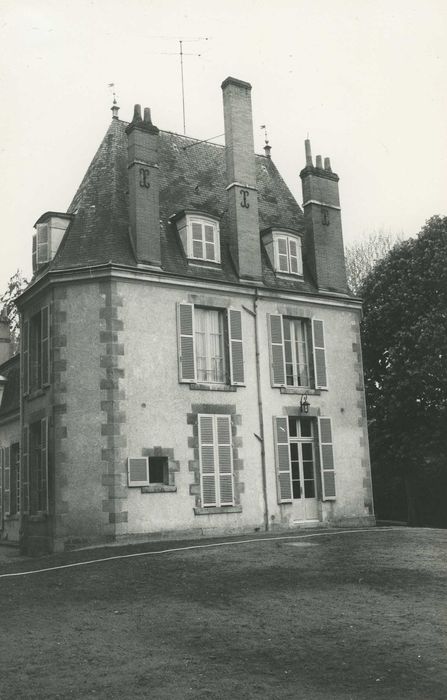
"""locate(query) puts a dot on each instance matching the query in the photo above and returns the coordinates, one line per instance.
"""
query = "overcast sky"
(366, 80)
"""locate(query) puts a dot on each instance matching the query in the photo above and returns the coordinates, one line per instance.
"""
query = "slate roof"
(11, 396)
(192, 177)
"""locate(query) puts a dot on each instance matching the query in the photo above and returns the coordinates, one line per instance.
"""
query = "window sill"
(217, 510)
(36, 393)
(299, 390)
(159, 488)
(37, 518)
(10, 517)
(211, 387)
(212, 264)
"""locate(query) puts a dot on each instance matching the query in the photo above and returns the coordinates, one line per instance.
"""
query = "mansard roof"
(192, 176)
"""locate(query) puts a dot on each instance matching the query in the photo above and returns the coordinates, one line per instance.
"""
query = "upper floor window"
(210, 345)
(36, 350)
(297, 352)
(287, 252)
(200, 236)
(50, 229)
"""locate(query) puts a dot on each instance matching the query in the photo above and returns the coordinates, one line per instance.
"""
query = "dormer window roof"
(284, 249)
(200, 235)
(50, 228)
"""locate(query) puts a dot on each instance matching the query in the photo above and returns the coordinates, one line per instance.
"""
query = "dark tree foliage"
(16, 285)
(404, 334)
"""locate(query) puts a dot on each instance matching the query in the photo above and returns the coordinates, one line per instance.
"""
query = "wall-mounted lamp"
(304, 404)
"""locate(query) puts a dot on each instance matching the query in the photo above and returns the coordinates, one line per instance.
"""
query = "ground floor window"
(38, 466)
(14, 479)
(216, 460)
(302, 457)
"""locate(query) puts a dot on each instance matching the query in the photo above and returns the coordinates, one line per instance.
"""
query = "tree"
(404, 333)
(16, 285)
(362, 256)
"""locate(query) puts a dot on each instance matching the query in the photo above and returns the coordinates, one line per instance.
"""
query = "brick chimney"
(241, 179)
(322, 217)
(5, 338)
(144, 211)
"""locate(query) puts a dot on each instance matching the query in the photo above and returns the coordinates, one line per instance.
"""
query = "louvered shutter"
(326, 459)
(319, 354)
(25, 357)
(44, 458)
(7, 479)
(236, 348)
(1, 487)
(283, 468)
(25, 470)
(43, 243)
(185, 325)
(138, 471)
(207, 460)
(45, 344)
(277, 350)
(225, 452)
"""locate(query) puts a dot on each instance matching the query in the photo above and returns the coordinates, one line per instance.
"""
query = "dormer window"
(288, 257)
(284, 250)
(200, 236)
(50, 229)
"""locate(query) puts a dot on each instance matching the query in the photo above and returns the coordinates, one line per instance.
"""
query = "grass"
(337, 616)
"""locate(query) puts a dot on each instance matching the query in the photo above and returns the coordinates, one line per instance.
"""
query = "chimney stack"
(144, 210)
(322, 217)
(5, 337)
(242, 191)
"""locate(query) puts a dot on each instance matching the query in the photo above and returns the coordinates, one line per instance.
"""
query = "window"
(36, 350)
(14, 479)
(37, 463)
(297, 352)
(158, 470)
(296, 459)
(216, 460)
(203, 240)
(143, 471)
(50, 229)
(287, 254)
(199, 235)
(210, 345)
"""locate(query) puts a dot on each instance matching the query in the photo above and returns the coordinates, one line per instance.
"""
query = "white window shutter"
(44, 456)
(236, 348)
(225, 452)
(283, 468)
(45, 344)
(25, 470)
(25, 356)
(319, 352)
(43, 243)
(207, 460)
(277, 350)
(7, 479)
(138, 471)
(185, 326)
(326, 458)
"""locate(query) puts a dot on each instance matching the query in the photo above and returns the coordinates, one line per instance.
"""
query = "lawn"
(324, 615)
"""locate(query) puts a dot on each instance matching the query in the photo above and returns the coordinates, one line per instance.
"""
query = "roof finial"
(114, 107)
(267, 147)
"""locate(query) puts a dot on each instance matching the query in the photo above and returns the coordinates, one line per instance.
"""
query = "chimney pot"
(327, 164)
(308, 151)
(147, 115)
(136, 114)
(319, 162)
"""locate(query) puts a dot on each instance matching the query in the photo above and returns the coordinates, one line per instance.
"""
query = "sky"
(366, 80)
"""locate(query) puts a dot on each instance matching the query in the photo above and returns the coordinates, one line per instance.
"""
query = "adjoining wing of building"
(190, 353)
